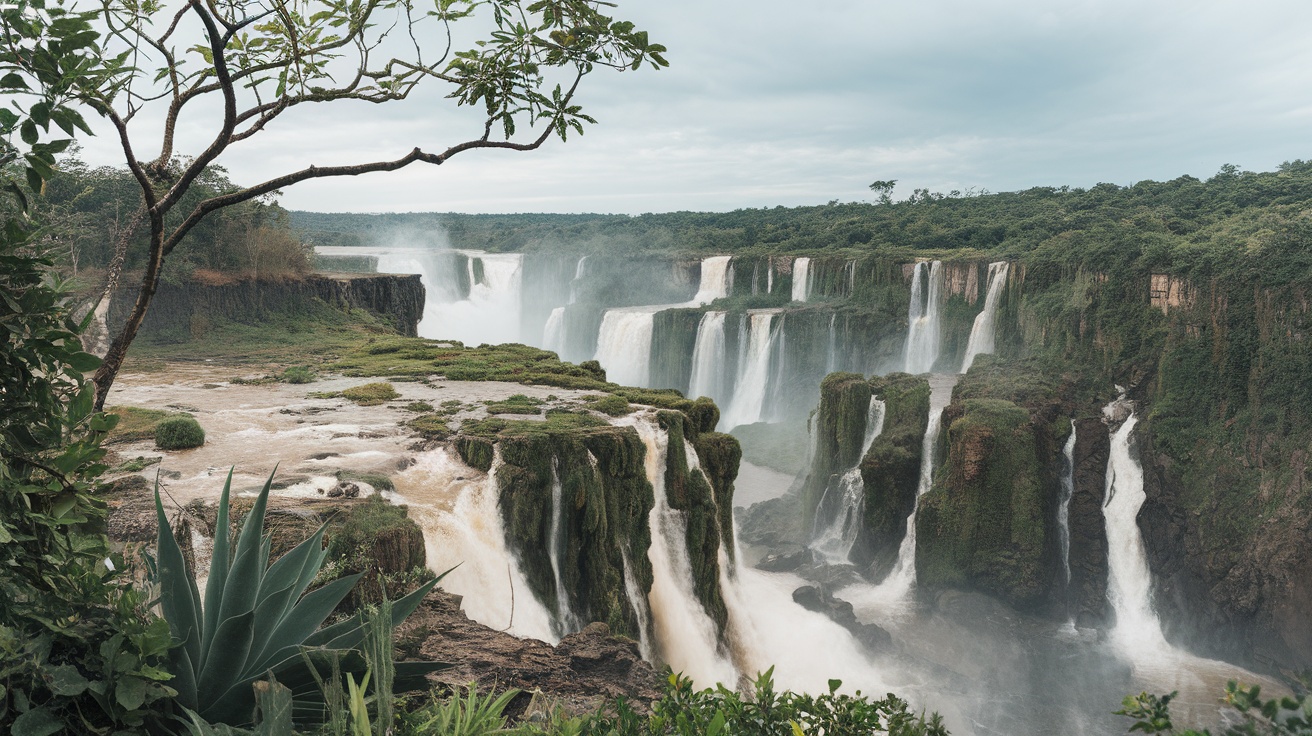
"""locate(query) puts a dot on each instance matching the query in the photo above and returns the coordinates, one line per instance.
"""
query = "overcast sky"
(768, 103)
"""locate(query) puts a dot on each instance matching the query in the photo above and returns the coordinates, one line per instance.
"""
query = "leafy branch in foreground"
(1287, 716)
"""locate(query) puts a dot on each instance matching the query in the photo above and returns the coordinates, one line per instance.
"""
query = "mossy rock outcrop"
(890, 472)
(606, 501)
(989, 522)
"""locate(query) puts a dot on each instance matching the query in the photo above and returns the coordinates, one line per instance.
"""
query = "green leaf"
(65, 680)
(83, 362)
(130, 692)
(36, 722)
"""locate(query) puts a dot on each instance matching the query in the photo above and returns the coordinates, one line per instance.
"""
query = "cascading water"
(715, 280)
(924, 338)
(984, 331)
(1064, 505)
(801, 279)
(769, 277)
(624, 340)
(491, 313)
(842, 506)
(456, 507)
(686, 637)
(754, 374)
(831, 355)
(624, 344)
(638, 602)
(553, 333)
(708, 356)
(1129, 583)
(580, 269)
(566, 622)
(850, 268)
(896, 587)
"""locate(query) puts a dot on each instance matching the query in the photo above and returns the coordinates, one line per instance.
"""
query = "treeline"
(92, 214)
(1187, 225)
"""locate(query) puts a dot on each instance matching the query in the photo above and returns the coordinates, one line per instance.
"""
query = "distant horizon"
(767, 104)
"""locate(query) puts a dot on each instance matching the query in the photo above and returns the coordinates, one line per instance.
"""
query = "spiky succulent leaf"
(179, 599)
(220, 561)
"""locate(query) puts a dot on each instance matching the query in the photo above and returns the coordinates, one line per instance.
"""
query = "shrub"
(179, 433)
(611, 404)
(371, 394)
(298, 374)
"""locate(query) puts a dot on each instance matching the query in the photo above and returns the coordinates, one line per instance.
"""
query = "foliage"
(135, 423)
(1289, 716)
(370, 394)
(256, 618)
(298, 374)
(179, 433)
(683, 711)
(473, 714)
(516, 404)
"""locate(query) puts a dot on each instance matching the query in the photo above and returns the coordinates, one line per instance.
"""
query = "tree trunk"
(118, 350)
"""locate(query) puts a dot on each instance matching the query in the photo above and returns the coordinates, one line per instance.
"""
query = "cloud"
(782, 103)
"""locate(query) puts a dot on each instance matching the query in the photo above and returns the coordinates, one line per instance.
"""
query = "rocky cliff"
(181, 311)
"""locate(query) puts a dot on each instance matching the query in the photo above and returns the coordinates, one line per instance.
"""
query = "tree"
(259, 59)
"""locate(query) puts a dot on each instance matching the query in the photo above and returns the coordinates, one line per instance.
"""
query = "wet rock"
(820, 600)
(324, 455)
(584, 670)
(786, 561)
(344, 489)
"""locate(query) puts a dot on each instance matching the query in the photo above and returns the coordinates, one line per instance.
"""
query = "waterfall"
(624, 344)
(769, 277)
(457, 508)
(1129, 583)
(579, 269)
(833, 539)
(553, 333)
(831, 357)
(566, 621)
(924, 336)
(715, 280)
(1064, 506)
(754, 372)
(902, 578)
(801, 279)
(708, 357)
(850, 268)
(638, 603)
(685, 634)
(983, 332)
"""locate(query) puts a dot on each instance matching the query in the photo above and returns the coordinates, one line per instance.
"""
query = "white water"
(1064, 506)
(1129, 584)
(801, 279)
(831, 356)
(553, 332)
(638, 603)
(686, 637)
(984, 331)
(850, 268)
(708, 358)
(893, 593)
(491, 312)
(579, 269)
(769, 277)
(566, 621)
(924, 335)
(456, 506)
(624, 344)
(715, 280)
(624, 340)
(833, 541)
(754, 374)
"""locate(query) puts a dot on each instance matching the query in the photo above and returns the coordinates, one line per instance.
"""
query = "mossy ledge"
(890, 471)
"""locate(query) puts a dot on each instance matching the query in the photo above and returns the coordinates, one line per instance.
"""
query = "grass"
(517, 404)
(371, 394)
(430, 426)
(136, 424)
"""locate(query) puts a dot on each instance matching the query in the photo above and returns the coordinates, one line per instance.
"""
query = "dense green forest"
(1186, 226)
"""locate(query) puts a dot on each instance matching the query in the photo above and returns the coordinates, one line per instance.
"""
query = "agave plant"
(257, 620)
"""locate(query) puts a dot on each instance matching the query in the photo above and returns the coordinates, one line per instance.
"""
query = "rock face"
(606, 499)
(584, 670)
(890, 472)
(1086, 597)
(988, 524)
(181, 311)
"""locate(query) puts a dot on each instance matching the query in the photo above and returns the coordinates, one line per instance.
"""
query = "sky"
(771, 103)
